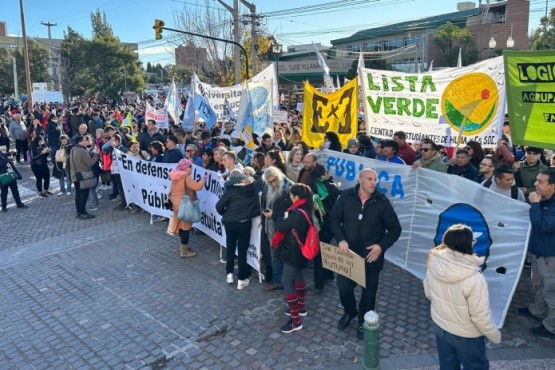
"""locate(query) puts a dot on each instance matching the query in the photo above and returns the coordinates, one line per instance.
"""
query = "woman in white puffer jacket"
(460, 303)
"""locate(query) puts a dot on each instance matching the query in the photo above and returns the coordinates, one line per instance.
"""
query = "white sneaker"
(242, 284)
(230, 278)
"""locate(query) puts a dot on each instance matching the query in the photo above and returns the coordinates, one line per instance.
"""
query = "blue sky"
(132, 20)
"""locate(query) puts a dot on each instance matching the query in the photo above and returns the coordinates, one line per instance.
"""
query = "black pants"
(81, 196)
(21, 146)
(15, 193)
(266, 256)
(238, 234)
(184, 236)
(368, 298)
(42, 176)
(119, 186)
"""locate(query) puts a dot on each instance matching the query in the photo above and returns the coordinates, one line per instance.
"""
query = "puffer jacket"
(459, 294)
(238, 203)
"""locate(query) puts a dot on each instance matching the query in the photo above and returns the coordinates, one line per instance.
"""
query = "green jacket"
(527, 175)
(436, 164)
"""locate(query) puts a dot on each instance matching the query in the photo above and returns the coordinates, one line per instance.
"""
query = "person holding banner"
(181, 183)
(459, 295)
(368, 232)
(238, 205)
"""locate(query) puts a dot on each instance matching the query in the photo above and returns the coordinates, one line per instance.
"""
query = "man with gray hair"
(275, 202)
(191, 154)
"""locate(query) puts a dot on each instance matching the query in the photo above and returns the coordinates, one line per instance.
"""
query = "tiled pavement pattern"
(112, 293)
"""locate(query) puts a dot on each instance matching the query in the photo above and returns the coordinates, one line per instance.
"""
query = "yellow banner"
(336, 112)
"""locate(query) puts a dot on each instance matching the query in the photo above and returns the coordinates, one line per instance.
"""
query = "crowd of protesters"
(83, 136)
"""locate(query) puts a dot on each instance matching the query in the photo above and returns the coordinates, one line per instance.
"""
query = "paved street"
(113, 293)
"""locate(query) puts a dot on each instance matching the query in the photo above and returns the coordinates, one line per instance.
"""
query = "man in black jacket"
(364, 222)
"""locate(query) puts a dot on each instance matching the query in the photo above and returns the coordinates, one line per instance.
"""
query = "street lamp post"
(510, 41)
(276, 50)
(492, 43)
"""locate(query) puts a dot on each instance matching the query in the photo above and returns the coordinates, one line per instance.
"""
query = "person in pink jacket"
(460, 309)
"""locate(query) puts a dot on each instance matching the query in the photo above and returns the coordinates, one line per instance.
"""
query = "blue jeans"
(454, 351)
(65, 181)
(93, 197)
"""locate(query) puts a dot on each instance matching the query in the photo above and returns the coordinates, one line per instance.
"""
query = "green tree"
(38, 64)
(6, 72)
(543, 37)
(449, 39)
(73, 58)
(101, 66)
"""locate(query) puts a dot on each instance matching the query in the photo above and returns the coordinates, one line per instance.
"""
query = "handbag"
(189, 210)
(87, 179)
(8, 177)
(60, 155)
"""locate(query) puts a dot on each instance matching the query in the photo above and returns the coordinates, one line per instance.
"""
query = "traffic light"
(158, 25)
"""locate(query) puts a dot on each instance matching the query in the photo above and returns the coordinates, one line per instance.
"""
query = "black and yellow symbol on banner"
(335, 112)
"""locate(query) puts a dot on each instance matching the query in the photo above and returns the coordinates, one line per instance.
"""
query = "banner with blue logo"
(428, 202)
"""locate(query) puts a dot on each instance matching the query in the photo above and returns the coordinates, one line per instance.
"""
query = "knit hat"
(183, 164)
(533, 149)
(352, 142)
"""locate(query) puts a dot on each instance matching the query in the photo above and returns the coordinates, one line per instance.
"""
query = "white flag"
(328, 82)
(459, 61)
(431, 66)
(173, 103)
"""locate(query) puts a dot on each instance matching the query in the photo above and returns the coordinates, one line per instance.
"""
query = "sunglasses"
(425, 149)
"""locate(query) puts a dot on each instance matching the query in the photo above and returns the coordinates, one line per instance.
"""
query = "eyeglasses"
(425, 149)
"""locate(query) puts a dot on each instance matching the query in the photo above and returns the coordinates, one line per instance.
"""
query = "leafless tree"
(211, 21)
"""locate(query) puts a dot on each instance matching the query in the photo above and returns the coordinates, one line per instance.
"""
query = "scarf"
(279, 235)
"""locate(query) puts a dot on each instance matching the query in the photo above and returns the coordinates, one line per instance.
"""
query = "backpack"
(311, 246)
(514, 188)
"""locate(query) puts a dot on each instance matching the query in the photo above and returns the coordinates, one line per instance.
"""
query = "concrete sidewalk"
(112, 293)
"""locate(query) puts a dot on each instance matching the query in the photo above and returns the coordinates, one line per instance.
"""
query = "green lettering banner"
(530, 79)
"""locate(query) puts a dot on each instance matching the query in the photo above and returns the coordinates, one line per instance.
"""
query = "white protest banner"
(350, 264)
(437, 104)
(280, 116)
(159, 115)
(427, 202)
(147, 185)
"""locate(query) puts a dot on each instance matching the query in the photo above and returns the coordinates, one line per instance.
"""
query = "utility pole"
(26, 58)
(15, 89)
(236, 37)
(254, 38)
(51, 54)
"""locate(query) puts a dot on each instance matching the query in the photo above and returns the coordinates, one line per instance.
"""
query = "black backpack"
(514, 188)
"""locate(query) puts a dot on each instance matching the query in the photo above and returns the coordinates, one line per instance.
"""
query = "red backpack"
(311, 246)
